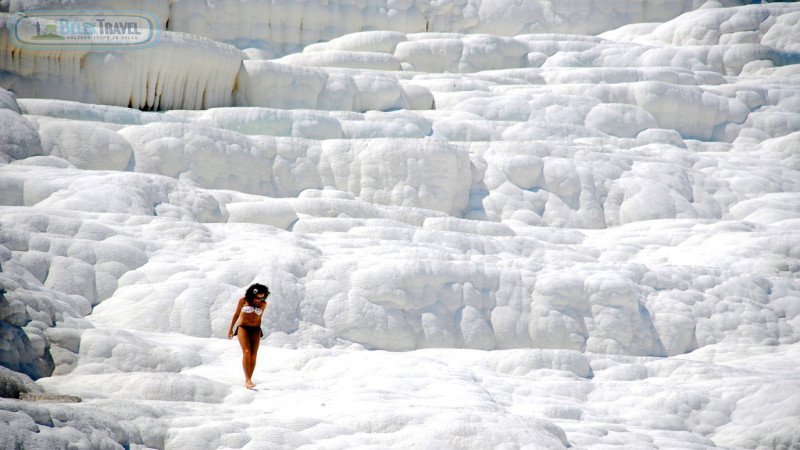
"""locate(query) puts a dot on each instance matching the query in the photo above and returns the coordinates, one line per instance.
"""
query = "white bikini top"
(250, 309)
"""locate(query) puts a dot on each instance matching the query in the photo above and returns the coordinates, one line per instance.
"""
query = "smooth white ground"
(473, 240)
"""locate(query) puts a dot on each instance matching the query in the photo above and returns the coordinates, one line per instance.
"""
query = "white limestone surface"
(486, 235)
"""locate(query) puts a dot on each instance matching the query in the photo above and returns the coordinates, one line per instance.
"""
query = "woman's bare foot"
(249, 384)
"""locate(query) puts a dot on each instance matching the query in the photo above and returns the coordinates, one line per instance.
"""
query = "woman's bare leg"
(255, 341)
(247, 355)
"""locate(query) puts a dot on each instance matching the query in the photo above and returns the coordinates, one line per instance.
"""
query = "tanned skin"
(248, 340)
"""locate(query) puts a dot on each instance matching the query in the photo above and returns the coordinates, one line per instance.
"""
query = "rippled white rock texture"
(486, 224)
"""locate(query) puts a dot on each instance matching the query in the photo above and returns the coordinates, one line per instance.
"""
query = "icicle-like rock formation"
(182, 71)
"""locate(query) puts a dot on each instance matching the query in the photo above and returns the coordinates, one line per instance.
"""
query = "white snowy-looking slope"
(489, 235)
(190, 72)
(280, 26)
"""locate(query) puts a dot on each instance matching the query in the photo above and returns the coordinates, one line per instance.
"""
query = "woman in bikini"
(246, 325)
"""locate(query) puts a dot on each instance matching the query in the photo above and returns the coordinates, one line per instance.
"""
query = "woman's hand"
(230, 334)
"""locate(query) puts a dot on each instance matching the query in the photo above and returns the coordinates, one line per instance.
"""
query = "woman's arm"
(235, 316)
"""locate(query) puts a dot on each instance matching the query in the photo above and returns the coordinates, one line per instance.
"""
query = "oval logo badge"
(84, 30)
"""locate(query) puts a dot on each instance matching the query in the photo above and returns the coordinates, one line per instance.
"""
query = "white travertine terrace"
(485, 223)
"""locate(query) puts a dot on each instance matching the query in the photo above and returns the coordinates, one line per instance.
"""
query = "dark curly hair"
(250, 294)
